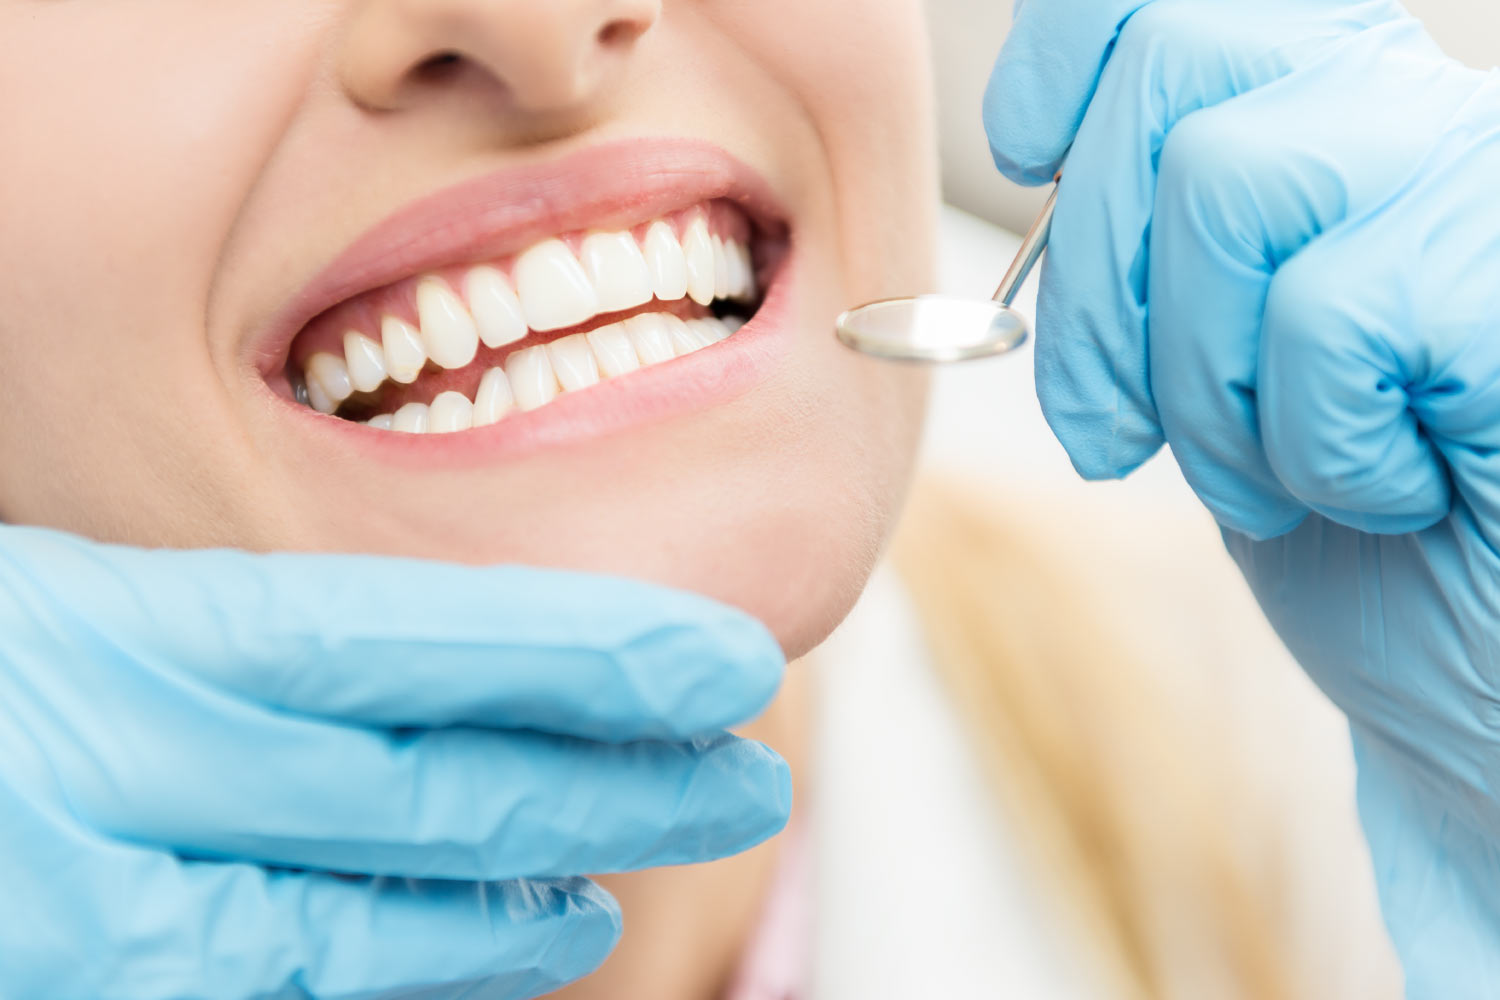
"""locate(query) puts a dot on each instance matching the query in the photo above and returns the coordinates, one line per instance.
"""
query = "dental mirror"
(940, 328)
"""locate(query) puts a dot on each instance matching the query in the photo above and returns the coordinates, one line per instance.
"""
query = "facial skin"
(176, 171)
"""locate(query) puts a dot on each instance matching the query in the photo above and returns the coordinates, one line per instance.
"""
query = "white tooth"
(366, 361)
(710, 328)
(747, 265)
(554, 291)
(684, 340)
(494, 399)
(740, 279)
(382, 422)
(448, 330)
(618, 271)
(317, 398)
(650, 337)
(733, 324)
(410, 419)
(497, 311)
(721, 269)
(698, 248)
(733, 281)
(531, 377)
(330, 374)
(450, 412)
(404, 353)
(613, 349)
(573, 362)
(701, 332)
(666, 262)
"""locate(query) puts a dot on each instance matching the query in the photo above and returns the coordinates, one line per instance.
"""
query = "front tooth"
(531, 377)
(329, 373)
(450, 412)
(497, 311)
(649, 336)
(410, 419)
(366, 361)
(573, 362)
(613, 349)
(617, 269)
(382, 422)
(553, 289)
(448, 330)
(698, 248)
(666, 262)
(404, 353)
(494, 399)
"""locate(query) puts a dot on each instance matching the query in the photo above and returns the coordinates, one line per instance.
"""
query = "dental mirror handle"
(1031, 249)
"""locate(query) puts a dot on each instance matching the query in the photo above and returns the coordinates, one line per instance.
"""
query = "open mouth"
(464, 347)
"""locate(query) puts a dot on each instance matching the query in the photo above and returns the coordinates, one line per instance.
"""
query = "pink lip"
(607, 186)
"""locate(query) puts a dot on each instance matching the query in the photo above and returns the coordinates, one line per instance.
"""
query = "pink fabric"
(778, 963)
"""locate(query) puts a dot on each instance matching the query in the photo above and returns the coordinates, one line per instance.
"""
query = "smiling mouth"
(464, 347)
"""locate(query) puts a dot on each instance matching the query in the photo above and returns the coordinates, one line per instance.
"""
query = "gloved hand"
(1277, 249)
(225, 775)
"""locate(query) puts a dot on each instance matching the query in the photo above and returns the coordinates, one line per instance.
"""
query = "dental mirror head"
(932, 328)
(942, 328)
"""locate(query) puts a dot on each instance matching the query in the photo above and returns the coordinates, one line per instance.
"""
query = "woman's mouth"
(462, 347)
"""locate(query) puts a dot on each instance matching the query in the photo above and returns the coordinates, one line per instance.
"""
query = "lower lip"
(709, 377)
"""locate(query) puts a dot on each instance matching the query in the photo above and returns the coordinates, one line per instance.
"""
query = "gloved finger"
(1044, 80)
(198, 929)
(451, 803)
(401, 642)
(1170, 60)
(1339, 429)
(516, 939)
(1381, 359)
(1243, 186)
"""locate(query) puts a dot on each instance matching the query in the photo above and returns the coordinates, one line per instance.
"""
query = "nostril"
(439, 67)
(617, 34)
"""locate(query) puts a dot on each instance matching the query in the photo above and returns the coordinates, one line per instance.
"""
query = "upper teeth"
(548, 288)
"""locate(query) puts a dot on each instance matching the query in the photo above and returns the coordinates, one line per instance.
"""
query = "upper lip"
(616, 184)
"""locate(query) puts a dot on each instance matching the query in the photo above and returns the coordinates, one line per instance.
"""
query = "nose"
(537, 56)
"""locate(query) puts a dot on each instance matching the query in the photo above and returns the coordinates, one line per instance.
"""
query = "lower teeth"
(567, 365)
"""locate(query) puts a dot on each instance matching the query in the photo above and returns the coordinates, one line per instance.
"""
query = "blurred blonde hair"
(1130, 813)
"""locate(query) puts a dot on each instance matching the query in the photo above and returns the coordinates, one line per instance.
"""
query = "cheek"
(860, 71)
(117, 185)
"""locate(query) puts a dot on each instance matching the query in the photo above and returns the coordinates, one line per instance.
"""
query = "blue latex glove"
(226, 776)
(1277, 249)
